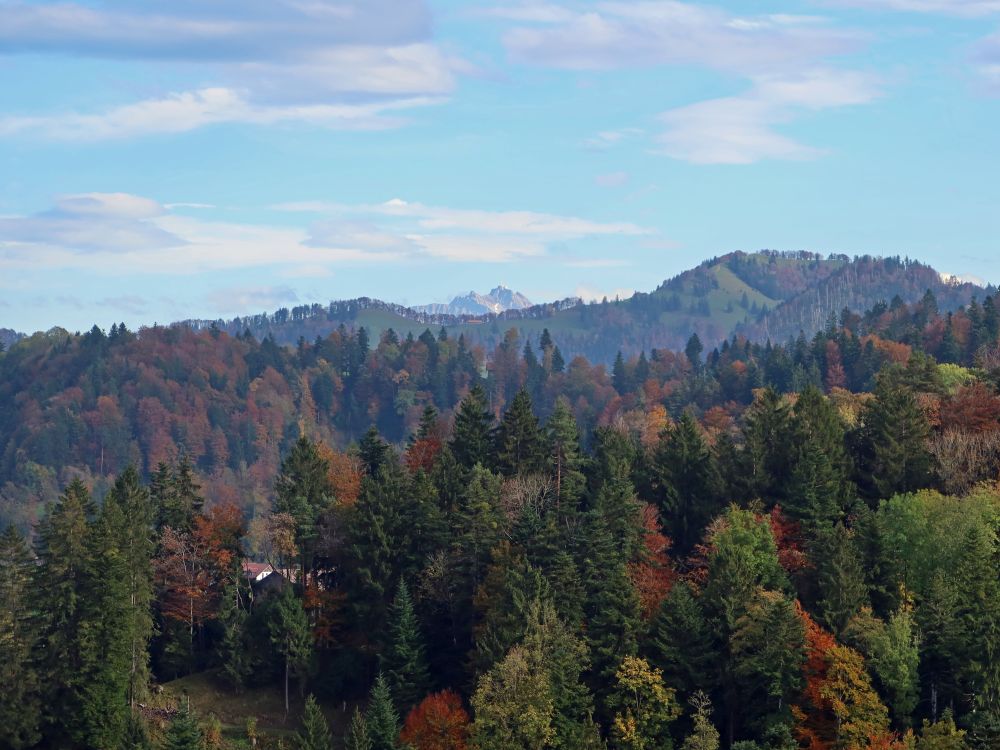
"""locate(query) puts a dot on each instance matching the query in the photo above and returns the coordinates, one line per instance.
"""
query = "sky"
(173, 159)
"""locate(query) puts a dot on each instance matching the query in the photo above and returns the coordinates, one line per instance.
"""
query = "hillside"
(764, 295)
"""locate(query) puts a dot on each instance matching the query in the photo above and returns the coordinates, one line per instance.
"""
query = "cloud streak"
(744, 129)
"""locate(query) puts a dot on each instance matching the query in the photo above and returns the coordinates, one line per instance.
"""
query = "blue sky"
(206, 158)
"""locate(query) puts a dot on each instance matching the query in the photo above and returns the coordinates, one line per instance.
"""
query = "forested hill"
(8, 337)
(88, 405)
(764, 295)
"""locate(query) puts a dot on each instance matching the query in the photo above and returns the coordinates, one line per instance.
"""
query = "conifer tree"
(519, 442)
(381, 719)
(136, 735)
(404, 662)
(373, 452)
(19, 710)
(64, 564)
(128, 511)
(357, 733)
(840, 577)
(184, 732)
(315, 732)
(288, 627)
(471, 437)
(680, 643)
(302, 489)
(768, 454)
(687, 482)
(893, 441)
(565, 462)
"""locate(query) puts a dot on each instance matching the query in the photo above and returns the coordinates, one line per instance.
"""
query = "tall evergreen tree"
(19, 710)
(302, 489)
(404, 662)
(519, 441)
(381, 719)
(315, 732)
(291, 637)
(840, 577)
(471, 437)
(357, 733)
(681, 644)
(184, 732)
(688, 484)
(565, 459)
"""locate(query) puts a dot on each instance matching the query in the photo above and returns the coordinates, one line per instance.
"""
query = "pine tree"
(565, 462)
(19, 710)
(235, 657)
(471, 437)
(288, 627)
(768, 454)
(894, 456)
(303, 490)
(840, 577)
(519, 441)
(357, 733)
(693, 351)
(129, 512)
(373, 452)
(404, 662)
(136, 735)
(315, 732)
(64, 555)
(381, 719)
(687, 482)
(619, 376)
(184, 732)
(681, 644)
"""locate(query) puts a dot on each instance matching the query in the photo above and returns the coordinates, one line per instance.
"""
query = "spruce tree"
(184, 732)
(357, 733)
(129, 513)
(381, 719)
(404, 662)
(471, 437)
(315, 732)
(687, 482)
(373, 452)
(19, 709)
(291, 637)
(565, 461)
(681, 644)
(302, 489)
(840, 577)
(519, 441)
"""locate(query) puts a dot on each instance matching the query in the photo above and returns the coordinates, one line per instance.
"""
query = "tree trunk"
(287, 658)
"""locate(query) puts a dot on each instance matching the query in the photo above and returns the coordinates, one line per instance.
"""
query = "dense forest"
(756, 547)
(763, 295)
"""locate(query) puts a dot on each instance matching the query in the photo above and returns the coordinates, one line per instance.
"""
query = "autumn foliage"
(438, 722)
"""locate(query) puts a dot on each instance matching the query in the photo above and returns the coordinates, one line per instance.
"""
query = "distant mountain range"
(8, 337)
(499, 299)
(762, 295)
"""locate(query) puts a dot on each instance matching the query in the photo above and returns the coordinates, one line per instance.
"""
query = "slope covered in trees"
(765, 295)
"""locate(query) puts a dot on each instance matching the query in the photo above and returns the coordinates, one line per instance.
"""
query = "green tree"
(681, 643)
(291, 637)
(565, 459)
(184, 732)
(471, 437)
(688, 483)
(704, 735)
(381, 719)
(893, 442)
(840, 577)
(315, 732)
(404, 661)
(19, 710)
(302, 489)
(644, 707)
(768, 454)
(513, 704)
(942, 735)
(129, 513)
(520, 445)
(357, 733)
(892, 650)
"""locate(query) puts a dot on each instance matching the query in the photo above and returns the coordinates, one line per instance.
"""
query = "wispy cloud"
(744, 129)
(612, 179)
(243, 299)
(337, 64)
(963, 8)
(612, 35)
(179, 113)
(119, 234)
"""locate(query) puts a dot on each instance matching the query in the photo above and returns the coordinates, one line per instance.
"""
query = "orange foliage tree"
(652, 575)
(438, 722)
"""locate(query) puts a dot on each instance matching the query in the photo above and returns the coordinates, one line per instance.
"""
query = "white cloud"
(182, 112)
(743, 129)
(337, 64)
(610, 35)
(244, 299)
(964, 8)
(118, 234)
